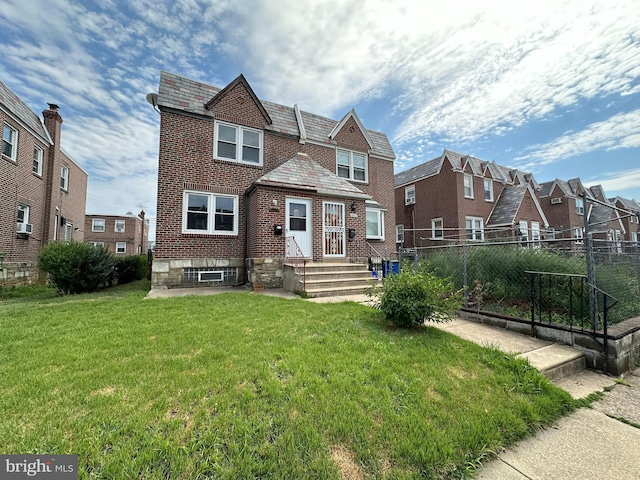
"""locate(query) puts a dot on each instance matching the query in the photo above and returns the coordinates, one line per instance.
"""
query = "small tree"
(412, 297)
(130, 268)
(76, 267)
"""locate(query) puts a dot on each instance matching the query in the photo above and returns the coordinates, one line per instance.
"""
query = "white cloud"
(617, 183)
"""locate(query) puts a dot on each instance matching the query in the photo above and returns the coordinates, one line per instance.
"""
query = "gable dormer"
(349, 132)
(237, 103)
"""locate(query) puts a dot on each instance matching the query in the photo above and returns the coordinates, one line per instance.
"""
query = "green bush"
(130, 268)
(412, 297)
(76, 267)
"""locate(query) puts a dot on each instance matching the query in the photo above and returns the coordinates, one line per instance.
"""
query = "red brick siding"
(131, 235)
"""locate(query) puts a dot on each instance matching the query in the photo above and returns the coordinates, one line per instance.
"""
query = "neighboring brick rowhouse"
(120, 234)
(31, 187)
(187, 163)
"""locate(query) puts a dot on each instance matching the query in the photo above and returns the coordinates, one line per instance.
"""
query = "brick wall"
(130, 236)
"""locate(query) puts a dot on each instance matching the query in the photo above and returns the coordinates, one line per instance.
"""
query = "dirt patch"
(347, 466)
(104, 391)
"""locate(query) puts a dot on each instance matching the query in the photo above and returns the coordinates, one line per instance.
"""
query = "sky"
(549, 87)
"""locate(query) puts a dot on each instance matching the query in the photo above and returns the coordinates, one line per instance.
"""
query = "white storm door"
(333, 229)
(299, 224)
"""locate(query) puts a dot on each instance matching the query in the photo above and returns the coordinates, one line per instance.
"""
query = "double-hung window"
(352, 165)
(579, 206)
(578, 234)
(9, 141)
(437, 229)
(38, 153)
(524, 231)
(121, 247)
(468, 185)
(64, 178)
(399, 233)
(239, 144)
(119, 226)
(474, 228)
(488, 190)
(97, 225)
(68, 232)
(212, 213)
(410, 195)
(23, 219)
(375, 224)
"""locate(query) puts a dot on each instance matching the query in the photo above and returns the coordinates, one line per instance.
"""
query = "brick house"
(458, 197)
(629, 216)
(120, 234)
(247, 187)
(43, 192)
(565, 204)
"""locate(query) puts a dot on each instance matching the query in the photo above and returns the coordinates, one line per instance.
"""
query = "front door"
(299, 226)
(333, 229)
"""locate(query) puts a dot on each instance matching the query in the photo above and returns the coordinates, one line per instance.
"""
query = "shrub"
(76, 267)
(130, 268)
(412, 297)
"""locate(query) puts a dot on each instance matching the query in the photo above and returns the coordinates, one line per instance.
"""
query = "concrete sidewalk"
(591, 443)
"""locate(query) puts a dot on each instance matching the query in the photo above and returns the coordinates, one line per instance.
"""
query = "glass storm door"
(333, 229)
(299, 225)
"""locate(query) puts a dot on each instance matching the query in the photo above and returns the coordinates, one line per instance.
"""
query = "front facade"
(120, 234)
(456, 197)
(43, 192)
(246, 185)
(629, 211)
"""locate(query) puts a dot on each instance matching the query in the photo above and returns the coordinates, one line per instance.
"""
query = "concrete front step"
(556, 361)
(336, 279)
(337, 292)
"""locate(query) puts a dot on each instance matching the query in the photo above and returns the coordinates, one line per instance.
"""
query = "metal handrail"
(298, 255)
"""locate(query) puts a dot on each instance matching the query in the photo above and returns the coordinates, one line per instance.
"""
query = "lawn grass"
(242, 385)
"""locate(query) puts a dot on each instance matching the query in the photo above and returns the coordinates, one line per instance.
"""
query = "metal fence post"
(464, 276)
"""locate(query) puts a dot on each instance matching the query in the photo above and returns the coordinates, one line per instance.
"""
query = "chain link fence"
(493, 275)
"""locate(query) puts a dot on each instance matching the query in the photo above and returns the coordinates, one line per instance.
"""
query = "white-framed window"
(97, 225)
(579, 205)
(523, 228)
(410, 195)
(64, 178)
(399, 233)
(9, 141)
(634, 237)
(121, 247)
(68, 232)
(551, 233)
(578, 234)
(352, 165)
(488, 190)
(239, 144)
(38, 154)
(474, 228)
(437, 228)
(23, 214)
(119, 226)
(97, 244)
(468, 185)
(213, 213)
(535, 233)
(375, 224)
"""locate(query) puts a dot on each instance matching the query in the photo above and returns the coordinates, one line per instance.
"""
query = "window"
(577, 234)
(410, 195)
(210, 213)
(468, 186)
(523, 231)
(9, 141)
(437, 228)
(23, 214)
(474, 228)
(551, 233)
(237, 143)
(119, 226)
(375, 224)
(535, 233)
(399, 233)
(580, 206)
(64, 178)
(121, 247)
(97, 244)
(488, 190)
(97, 225)
(352, 165)
(68, 231)
(634, 237)
(37, 160)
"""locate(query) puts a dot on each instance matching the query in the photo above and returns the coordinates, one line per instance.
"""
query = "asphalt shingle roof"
(15, 105)
(507, 205)
(180, 93)
(303, 172)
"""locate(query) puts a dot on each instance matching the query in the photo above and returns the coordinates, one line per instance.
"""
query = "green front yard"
(242, 385)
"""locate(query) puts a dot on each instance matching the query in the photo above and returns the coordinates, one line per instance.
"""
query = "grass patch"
(239, 385)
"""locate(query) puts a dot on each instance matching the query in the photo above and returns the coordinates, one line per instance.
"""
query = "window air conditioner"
(556, 200)
(24, 228)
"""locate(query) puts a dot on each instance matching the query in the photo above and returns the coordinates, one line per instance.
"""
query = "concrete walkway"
(601, 443)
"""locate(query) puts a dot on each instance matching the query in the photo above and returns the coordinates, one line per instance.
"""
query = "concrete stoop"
(336, 279)
(556, 361)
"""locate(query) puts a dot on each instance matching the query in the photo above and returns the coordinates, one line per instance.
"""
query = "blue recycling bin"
(390, 267)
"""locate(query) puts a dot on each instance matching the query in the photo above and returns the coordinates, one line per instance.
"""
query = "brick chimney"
(53, 124)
